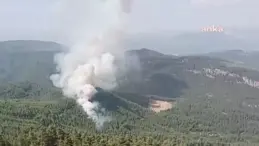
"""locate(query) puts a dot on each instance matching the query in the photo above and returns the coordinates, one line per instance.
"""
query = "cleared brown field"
(159, 105)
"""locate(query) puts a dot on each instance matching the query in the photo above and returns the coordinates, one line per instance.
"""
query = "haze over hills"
(197, 42)
(206, 95)
(27, 60)
(31, 45)
(242, 58)
(154, 69)
(178, 42)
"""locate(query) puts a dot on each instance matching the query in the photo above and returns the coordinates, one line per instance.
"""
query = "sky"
(30, 19)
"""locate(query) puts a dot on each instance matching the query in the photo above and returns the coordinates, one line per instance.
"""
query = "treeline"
(28, 90)
(53, 136)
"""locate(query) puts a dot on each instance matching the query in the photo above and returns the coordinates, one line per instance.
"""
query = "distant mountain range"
(23, 46)
(247, 59)
(27, 60)
(197, 42)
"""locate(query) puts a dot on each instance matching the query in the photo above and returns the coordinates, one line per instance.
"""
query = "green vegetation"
(208, 111)
(34, 120)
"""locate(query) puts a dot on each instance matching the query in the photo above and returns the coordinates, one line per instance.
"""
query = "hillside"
(247, 59)
(178, 75)
(166, 99)
(27, 60)
(29, 46)
(40, 117)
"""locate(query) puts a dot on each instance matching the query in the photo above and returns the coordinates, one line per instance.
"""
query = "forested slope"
(214, 104)
(42, 120)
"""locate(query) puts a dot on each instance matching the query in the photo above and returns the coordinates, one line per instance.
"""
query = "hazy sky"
(32, 19)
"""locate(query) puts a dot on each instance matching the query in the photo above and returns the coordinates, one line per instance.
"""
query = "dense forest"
(35, 116)
(206, 111)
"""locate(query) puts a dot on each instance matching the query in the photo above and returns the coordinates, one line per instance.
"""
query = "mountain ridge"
(29, 45)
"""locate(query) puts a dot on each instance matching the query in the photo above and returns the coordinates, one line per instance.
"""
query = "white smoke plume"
(96, 30)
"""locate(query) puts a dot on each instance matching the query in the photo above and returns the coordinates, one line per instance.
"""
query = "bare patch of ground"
(159, 105)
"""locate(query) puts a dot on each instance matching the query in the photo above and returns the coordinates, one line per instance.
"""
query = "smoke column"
(96, 39)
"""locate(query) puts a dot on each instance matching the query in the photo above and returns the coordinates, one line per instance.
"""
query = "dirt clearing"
(159, 105)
